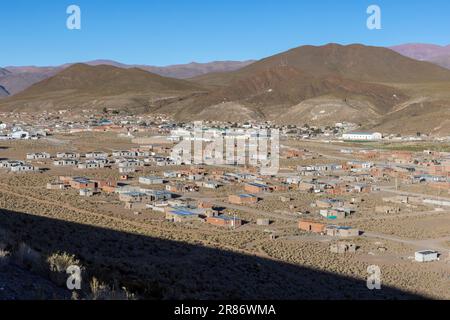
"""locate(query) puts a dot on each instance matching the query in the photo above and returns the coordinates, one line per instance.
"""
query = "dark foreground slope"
(163, 269)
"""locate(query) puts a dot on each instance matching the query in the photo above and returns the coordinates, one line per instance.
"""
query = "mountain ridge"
(19, 78)
(81, 85)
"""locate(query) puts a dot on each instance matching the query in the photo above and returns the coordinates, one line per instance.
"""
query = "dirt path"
(434, 244)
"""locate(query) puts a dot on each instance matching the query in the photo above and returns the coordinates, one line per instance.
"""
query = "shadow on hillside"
(166, 269)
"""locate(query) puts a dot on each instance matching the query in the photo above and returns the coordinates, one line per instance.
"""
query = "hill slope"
(81, 85)
(320, 85)
(3, 72)
(421, 51)
(439, 55)
(273, 92)
(3, 92)
(17, 79)
(356, 62)
(443, 61)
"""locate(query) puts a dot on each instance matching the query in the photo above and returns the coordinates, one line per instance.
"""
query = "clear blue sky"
(162, 32)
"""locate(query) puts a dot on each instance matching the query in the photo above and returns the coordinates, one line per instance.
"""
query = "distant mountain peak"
(422, 51)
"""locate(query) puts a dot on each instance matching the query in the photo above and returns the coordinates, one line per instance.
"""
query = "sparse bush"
(101, 291)
(58, 263)
(4, 257)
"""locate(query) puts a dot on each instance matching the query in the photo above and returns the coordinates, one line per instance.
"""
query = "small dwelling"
(341, 231)
(263, 222)
(225, 221)
(242, 199)
(254, 187)
(151, 180)
(312, 226)
(86, 192)
(343, 247)
(426, 256)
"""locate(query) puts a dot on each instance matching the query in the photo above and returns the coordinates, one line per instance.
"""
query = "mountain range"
(87, 86)
(17, 79)
(439, 55)
(373, 86)
(3, 92)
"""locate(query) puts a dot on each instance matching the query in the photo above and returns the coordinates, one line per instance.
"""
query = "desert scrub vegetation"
(59, 262)
(101, 291)
(4, 257)
(418, 228)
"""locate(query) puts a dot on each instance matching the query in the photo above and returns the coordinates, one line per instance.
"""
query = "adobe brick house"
(242, 199)
(82, 183)
(224, 221)
(204, 204)
(105, 183)
(253, 187)
(312, 226)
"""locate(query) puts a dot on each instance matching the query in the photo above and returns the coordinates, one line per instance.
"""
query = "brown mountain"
(320, 84)
(3, 72)
(194, 69)
(422, 51)
(20, 78)
(443, 61)
(356, 62)
(277, 93)
(17, 79)
(439, 55)
(376, 87)
(3, 92)
(85, 86)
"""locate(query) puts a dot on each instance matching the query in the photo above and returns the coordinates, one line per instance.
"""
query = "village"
(339, 188)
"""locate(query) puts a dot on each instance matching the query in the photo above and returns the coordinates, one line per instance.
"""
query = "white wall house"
(362, 136)
(426, 256)
(38, 155)
(151, 180)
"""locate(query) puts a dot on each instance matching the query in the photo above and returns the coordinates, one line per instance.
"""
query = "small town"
(214, 159)
(356, 194)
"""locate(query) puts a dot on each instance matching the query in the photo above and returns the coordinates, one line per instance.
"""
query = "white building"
(20, 134)
(151, 180)
(96, 154)
(426, 256)
(67, 155)
(362, 136)
(23, 168)
(38, 155)
(65, 162)
(91, 164)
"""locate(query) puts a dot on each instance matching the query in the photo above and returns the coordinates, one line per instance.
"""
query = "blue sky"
(162, 32)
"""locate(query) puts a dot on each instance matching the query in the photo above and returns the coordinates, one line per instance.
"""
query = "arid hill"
(18, 78)
(98, 86)
(3, 92)
(271, 93)
(439, 55)
(421, 51)
(324, 85)
(356, 62)
(3, 72)
(443, 61)
(372, 86)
